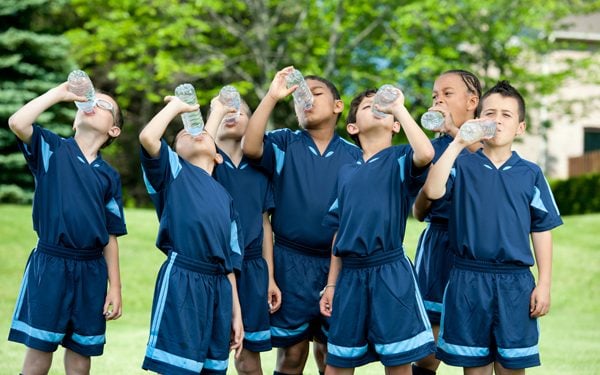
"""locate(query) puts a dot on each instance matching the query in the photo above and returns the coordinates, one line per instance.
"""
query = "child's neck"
(203, 162)
(372, 146)
(321, 136)
(233, 149)
(497, 155)
(89, 144)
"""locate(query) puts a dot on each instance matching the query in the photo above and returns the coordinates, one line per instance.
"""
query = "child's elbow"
(250, 150)
(14, 124)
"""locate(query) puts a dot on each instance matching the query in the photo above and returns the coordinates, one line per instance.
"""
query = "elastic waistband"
(374, 259)
(302, 249)
(196, 265)
(486, 266)
(69, 253)
(253, 253)
(439, 221)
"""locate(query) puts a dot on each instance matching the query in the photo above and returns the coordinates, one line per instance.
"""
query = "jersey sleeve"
(159, 171)
(274, 148)
(413, 177)
(115, 217)
(269, 201)
(39, 151)
(236, 241)
(544, 212)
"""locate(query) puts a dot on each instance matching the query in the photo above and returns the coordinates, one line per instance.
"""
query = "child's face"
(101, 119)
(234, 130)
(325, 107)
(451, 93)
(366, 121)
(189, 147)
(505, 111)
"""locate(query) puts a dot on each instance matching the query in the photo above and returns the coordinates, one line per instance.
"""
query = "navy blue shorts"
(191, 319)
(433, 262)
(486, 316)
(300, 277)
(62, 300)
(253, 287)
(378, 313)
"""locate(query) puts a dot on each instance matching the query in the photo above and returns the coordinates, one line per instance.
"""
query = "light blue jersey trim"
(334, 206)
(282, 332)
(347, 351)
(422, 248)
(313, 150)
(279, 158)
(235, 242)
(213, 364)
(465, 351)
(258, 336)
(551, 196)
(405, 345)
(39, 334)
(21, 292)
(433, 306)
(175, 164)
(113, 207)
(401, 163)
(536, 201)
(160, 304)
(46, 154)
(453, 172)
(149, 187)
(89, 340)
(419, 299)
(329, 154)
(174, 360)
(519, 352)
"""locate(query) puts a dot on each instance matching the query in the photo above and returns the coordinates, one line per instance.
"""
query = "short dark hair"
(470, 80)
(351, 119)
(505, 89)
(334, 91)
(118, 120)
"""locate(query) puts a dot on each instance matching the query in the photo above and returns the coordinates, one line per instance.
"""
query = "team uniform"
(433, 258)
(199, 232)
(485, 317)
(252, 196)
(377, 311)
(303, 184)
(76, 206)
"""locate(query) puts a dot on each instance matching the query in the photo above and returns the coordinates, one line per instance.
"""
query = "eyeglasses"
(107, 106)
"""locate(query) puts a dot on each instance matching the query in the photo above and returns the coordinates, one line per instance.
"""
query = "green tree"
(143, 49)
(34, 56)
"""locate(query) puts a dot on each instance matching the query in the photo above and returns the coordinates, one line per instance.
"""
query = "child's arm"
(113, 304)
(421, 145)
(421, 206)
(152, 133)
(435, 185)
(237, 326)
(274, 294)
(540, 297)
(21, 122)
(252, 143)
(326, 302)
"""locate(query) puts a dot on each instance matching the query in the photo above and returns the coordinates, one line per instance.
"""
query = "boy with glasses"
(77, 214)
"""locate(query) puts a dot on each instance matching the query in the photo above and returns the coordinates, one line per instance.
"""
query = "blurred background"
(139, 51)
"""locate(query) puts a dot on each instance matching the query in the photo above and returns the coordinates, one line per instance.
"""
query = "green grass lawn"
(570, 338)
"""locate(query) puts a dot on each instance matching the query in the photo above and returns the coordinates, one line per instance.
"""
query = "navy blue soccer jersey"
(252, 195)
(373, 202)
(304, 183)
(495, 209)
(196, 214)
(76, 204)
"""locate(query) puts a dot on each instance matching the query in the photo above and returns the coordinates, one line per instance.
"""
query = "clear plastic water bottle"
(192, 121)
(230, 97)
(385, 96)
(303, 98)
(478, 129)
(432, 120)
(80, 84)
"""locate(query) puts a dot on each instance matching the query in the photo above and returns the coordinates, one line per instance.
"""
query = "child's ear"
(338, 106)
(218, 158)
(521, 128)
(114, 132)
(396, 127)
(351, 128)
(472, 103)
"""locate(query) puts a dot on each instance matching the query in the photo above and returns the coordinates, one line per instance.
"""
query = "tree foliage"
(141, 50)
